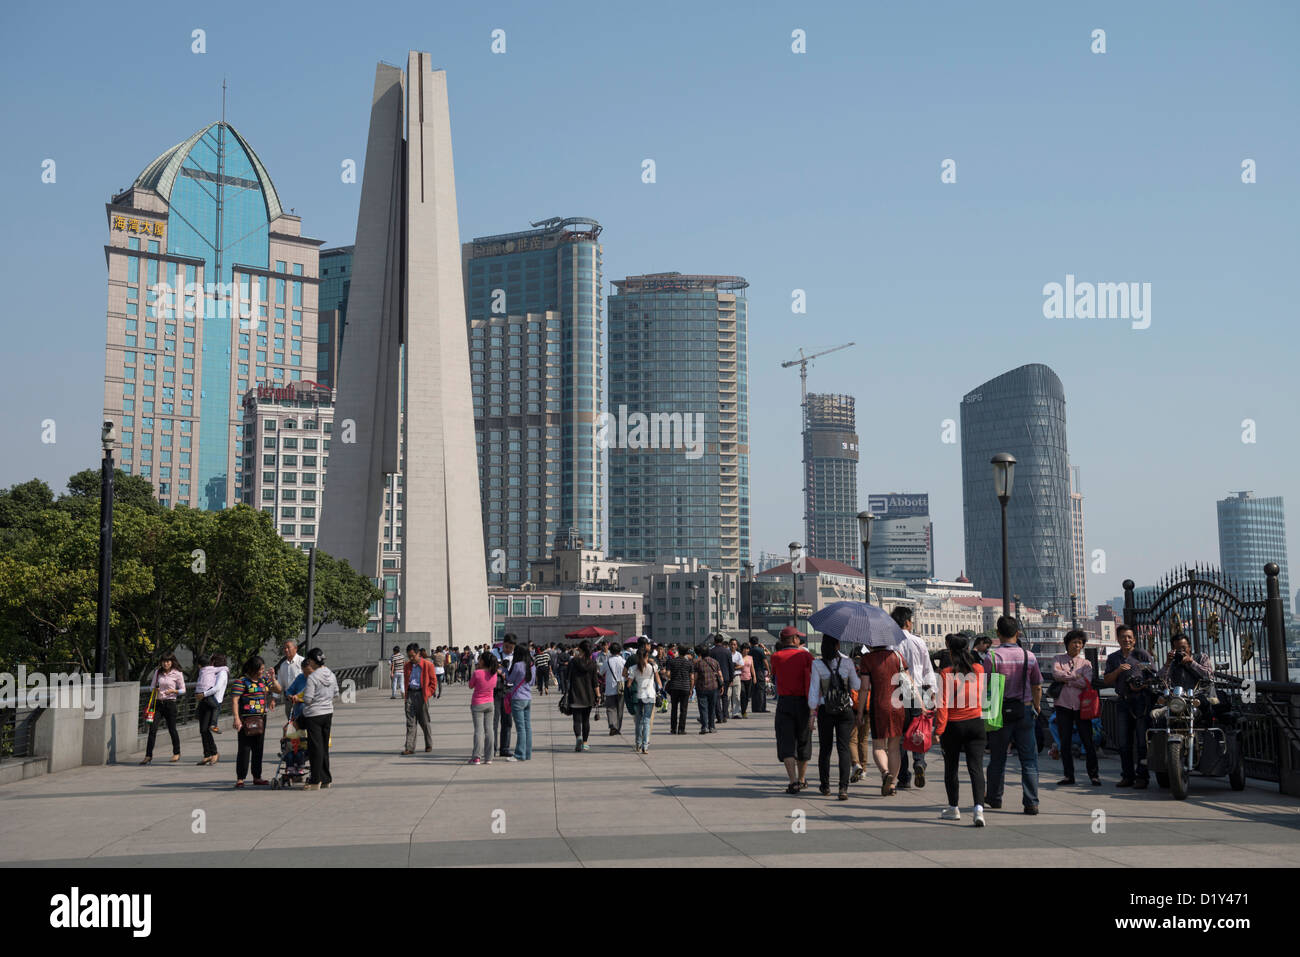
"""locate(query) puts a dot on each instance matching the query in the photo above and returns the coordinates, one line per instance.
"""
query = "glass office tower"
(211, 291)
(1021, 412)
(553, 268)
(1252, 533)
(678, 349)
(830, 455)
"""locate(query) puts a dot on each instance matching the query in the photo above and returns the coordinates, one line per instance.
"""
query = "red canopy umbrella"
(592, 631)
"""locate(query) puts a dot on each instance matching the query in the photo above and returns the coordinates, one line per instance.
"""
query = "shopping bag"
(920, 734)
(992, 710)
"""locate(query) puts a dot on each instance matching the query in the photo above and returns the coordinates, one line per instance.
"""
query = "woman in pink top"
(168, 684)
(1074, 671)
(481, 685)
(746, 680)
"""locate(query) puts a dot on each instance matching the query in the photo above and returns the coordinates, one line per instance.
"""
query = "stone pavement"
(694, 800)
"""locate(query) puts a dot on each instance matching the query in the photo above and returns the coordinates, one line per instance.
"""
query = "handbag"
(149, 708)
(564, 704)
(920, 734)
(253, 725)
(995, 688)
(1089, 704)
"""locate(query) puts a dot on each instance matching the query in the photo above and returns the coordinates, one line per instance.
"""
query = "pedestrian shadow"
(677, 791)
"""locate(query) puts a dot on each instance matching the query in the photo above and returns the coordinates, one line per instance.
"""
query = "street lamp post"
(1004, 469)
(717, 601)
(796, 549)
(1074, 610)
(108, 438)
(695, 617)
(864, 530)
(749, 618)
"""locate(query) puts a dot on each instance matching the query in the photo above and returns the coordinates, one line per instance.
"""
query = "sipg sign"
(305, 390)
(898, 506)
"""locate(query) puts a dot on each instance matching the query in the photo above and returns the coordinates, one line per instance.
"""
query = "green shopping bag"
(994, 685)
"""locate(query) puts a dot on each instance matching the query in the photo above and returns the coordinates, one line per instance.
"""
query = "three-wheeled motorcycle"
(1194, 730)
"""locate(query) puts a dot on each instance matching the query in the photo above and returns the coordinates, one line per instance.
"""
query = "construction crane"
(802, 363)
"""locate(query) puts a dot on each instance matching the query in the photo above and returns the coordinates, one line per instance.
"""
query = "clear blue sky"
(817, 171)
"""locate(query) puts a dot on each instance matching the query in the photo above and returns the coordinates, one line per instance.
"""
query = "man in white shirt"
(611, 673)
(290, 667)
(733, 689)
(921, 671)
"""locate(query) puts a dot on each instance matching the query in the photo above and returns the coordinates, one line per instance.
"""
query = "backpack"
(838, 701)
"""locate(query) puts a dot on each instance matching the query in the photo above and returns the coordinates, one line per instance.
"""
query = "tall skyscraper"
(1252, 533)
(1078, 554)
(902, 536)
(406, 309)
(678, 423)
(1021, 412)
(831, 481)
(332, 311)
(211, 291)
(553, 268)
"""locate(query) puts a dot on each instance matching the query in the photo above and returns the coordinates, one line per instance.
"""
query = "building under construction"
(830, 458)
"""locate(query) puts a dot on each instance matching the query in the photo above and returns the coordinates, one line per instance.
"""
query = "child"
(482, 684)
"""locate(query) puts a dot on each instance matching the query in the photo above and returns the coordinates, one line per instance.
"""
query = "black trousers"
(581, 722)
(164, 710)
(833, 730)
(250, 748)
(501, 719)
(318, 746)
(1067, 720)
(746, 689)
(677, 720)
(760, 692)
(206, 715)
(969, 736)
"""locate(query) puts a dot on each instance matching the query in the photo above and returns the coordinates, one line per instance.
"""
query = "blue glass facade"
(1021, 412)
(1252, 533)
(678, 348)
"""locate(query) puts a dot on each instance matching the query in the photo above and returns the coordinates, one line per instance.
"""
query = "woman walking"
(880, 666)
(1074, 671)
(830, 707)
(209, 691)
(168, 685)
(482, 686)
(318, 716)
(960, 724)
(521, 678)
(642, 681)
(250, 703)
(581, 679)
(746, 680)
(680, 679)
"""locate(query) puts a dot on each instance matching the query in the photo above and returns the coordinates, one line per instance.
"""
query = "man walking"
(501, 720)
(921, 669)
(419, 682)
(734, 689)
(792, 667)
(759, 654)
(542, 662)
(1020, 705)
(1128, 671)
(722, 655)
(396, 668)
(611, 673)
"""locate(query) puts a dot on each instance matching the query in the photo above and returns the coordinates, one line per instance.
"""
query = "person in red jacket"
(419, 683)
(959, 723)
(792, 666)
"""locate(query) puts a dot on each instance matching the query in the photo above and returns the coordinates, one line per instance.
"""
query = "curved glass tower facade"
(1021, 412)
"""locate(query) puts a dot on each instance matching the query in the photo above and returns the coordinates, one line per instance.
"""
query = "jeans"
(642, 711)
(318, 746)
(1066, 722)
(707, 702)
(677, 720)
(760, 692)
(442, 678)
(397, 683)
(1132, 719)
(964, 736)
(833, 730)
(746, 689)
(719, 704)
(164, 710)
(250, 748)
(614, 711)
(1023, 736)
(522, 711)
(918, 760)
(417, 716)
(206, 716)
(500, 723)
(481, 716)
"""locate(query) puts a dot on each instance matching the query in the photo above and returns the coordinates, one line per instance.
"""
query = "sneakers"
(474, 761)
(920, 777)
(584, 747)
(856, 776)
(950, 814)
(577, 747)
(842, 796)
(512, 759)
(979, 816)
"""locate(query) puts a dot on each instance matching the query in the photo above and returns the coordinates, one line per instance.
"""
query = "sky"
(817, 171)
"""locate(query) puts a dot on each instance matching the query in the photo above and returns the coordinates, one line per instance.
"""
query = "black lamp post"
(695, 617)
(108, 438)
(749, 622)
(1004, 470)
(864, 530)
(796, 549)
(1074, 610)
(717, 602)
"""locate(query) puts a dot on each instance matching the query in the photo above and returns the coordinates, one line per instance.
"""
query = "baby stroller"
(293, 758)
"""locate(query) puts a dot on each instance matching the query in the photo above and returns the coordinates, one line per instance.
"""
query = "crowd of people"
(873, 705)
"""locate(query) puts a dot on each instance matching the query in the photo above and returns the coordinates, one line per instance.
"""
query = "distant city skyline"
(1163, 420)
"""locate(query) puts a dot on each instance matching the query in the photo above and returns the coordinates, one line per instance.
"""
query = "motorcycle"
(1194, 732)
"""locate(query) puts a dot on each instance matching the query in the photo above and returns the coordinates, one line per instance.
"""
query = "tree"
(343, 595)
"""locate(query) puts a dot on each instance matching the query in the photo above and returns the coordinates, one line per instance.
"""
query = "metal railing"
(17, 727)
(186, 705)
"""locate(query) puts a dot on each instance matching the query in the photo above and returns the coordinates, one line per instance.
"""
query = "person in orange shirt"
(959, 722)
(859, 737)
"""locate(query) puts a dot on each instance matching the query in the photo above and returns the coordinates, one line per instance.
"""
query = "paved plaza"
(694, 800)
